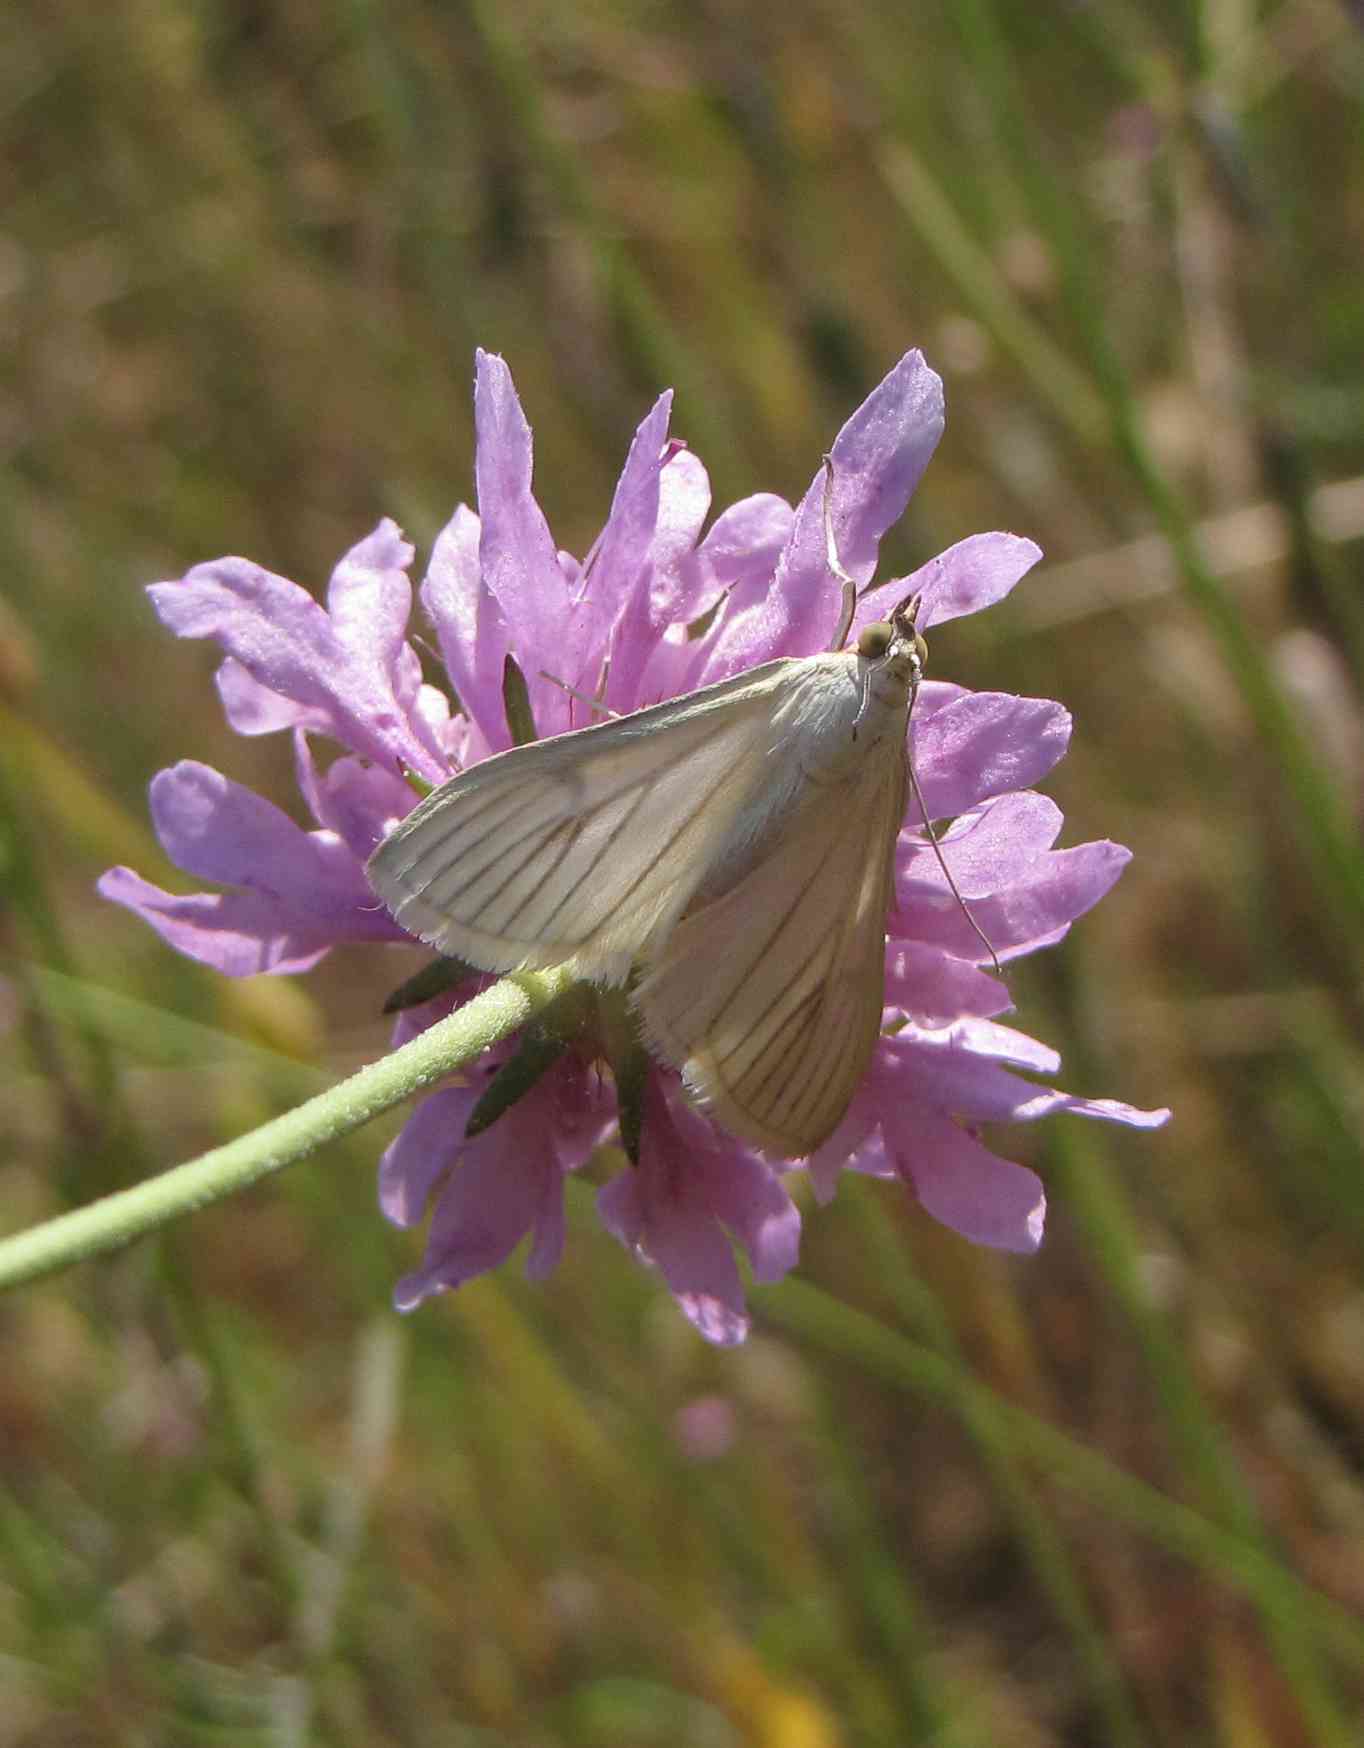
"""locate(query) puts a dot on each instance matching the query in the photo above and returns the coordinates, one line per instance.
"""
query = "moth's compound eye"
(875, 639)
(921, 650)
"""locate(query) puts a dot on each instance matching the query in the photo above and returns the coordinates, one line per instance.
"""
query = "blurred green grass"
(1110, 1495)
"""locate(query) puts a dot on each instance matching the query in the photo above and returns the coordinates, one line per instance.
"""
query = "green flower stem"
(118, 1219)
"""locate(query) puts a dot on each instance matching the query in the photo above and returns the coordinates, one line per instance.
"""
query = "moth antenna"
(918, 795)
(845, 617)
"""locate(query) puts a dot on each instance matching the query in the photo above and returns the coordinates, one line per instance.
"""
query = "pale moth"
(735, 847)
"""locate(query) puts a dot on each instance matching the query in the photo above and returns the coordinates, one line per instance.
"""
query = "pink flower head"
(498, 592)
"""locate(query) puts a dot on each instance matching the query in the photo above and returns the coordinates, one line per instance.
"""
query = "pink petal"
(946, 1070)
(684, 501)
(692, 1254)
(251, 708)
(983, 744)
(739, 554)
(424, 1148)
(871, 1159)
(305, 891)
(1047, 1102)
(218, 830)
(470, 626)
(337, 671)
(878, 458)
(690, 1190)
(996, 1043)
(369, 599)
(974, 573)
(518, 562)
(851, 1135)
(429, 709)
(986, 850)
(988, 1200)
(517, 557)
(507, 1183)
(360, 802)
(620, 568)
(960, 1069)
(238, 933)
(671, 670)
(936, 988)
(1052, 892)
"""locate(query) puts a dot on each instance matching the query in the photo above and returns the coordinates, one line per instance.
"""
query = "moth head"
(895, 641)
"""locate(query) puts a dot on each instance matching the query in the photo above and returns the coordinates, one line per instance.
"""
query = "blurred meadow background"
(1105, 1497)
